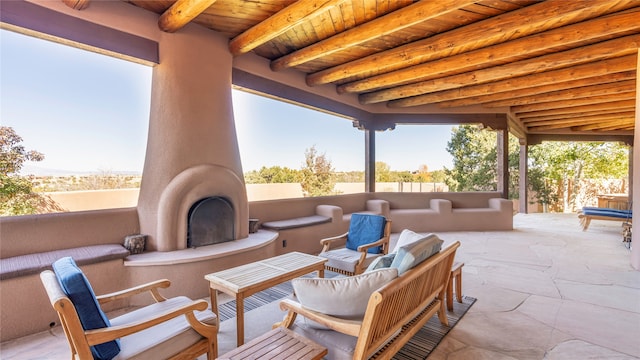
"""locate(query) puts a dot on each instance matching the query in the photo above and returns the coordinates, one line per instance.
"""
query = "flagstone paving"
(546, 290)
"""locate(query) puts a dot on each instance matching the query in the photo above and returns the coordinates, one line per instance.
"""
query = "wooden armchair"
(367, 238)
(173, 328)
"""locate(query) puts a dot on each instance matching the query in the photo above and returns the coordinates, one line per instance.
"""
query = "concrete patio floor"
(546, 290)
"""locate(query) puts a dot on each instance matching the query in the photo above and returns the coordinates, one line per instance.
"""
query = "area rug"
(419, 347)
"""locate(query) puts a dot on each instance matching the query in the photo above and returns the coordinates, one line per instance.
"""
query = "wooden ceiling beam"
(605, 50)
(604, 67)
(554, 128)
(77, 4)
(181, 12)
(515, 24)
(293, 15)
(532, 45)
(612, 105)
(554, 117)
(405, 17)
(609, 125)
(574, 102)
(525, 93)
(569, 125)
(575, 93)
(581, 119)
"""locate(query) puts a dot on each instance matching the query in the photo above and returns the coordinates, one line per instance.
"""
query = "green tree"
(403, 176)
(438, 176)
(383, 172)
(557, 168)
(271, 175)
(317, 174)
(475, 157)
(350, 176)
(422, 175)
(17, 196)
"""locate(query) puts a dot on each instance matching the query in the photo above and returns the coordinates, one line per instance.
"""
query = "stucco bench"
(295, 233)
(440, 215)
(29, 264)
(20, 283)
(296, 222)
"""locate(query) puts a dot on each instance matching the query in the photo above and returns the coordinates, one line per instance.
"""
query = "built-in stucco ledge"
(254, 241)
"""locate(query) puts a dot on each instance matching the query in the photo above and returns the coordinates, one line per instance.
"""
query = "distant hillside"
(40, 171)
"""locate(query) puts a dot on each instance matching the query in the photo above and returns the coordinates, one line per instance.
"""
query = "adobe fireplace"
(210, 221)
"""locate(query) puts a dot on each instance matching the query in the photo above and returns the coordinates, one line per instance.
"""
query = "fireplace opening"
(210, 221)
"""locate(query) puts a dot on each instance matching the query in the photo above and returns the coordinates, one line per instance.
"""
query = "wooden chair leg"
(455, 278)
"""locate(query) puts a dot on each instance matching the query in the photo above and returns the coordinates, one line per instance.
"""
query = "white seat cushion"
(163, 340)
(345, 259)
(339, 346)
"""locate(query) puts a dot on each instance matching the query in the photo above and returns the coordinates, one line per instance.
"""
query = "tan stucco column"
(635, 252)
(192, 149)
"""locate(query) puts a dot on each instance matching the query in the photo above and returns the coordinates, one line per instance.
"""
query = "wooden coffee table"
(278, 344)
(245, 280)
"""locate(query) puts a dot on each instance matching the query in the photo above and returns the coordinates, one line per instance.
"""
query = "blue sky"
(89, 113)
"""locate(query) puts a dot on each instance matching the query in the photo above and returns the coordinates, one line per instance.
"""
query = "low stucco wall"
(25, 308)
(30, 234)
(477, 211)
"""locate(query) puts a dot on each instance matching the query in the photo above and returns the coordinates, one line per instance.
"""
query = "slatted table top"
(241, 278)
(278, 344)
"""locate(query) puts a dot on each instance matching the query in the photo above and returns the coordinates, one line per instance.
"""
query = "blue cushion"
(365, 229)
(381, 262)
(623, 214)
(78, 289)
(416, 252)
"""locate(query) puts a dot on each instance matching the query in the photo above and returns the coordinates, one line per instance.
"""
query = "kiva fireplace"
(210, 221)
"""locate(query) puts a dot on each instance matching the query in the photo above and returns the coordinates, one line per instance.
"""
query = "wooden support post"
(635, 250)
(503, 162)
(523, 184)
(370, 160)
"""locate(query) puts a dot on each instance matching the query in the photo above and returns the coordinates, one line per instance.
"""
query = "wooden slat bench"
(590, 213)
(394, 314)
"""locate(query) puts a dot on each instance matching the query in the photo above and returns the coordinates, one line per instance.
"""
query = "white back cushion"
(345, 297)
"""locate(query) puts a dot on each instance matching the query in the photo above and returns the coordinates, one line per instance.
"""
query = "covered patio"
(552, 70)
(546, 290)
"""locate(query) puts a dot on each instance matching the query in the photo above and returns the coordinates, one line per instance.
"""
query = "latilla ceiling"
(557, 66)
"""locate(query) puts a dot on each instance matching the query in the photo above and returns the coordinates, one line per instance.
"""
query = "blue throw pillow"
(365, 229)
(416, 252)
(78, 289)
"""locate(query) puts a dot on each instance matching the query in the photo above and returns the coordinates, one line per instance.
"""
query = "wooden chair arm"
(365, 247)
(99, 336)
(349, 327)
(326, 243)
(152, 287)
